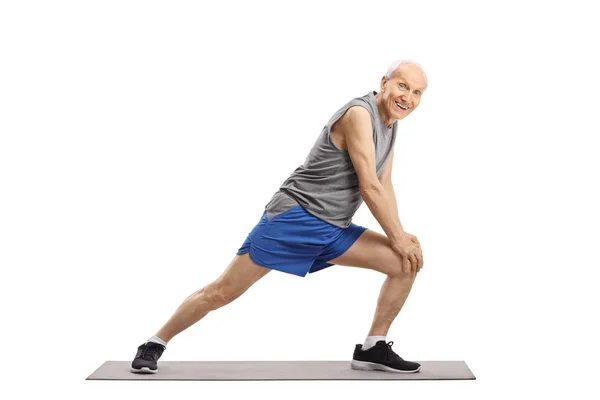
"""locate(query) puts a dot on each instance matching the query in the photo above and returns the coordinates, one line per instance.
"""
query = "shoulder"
(357, 114)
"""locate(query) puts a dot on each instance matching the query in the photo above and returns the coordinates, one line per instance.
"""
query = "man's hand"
(409, 248)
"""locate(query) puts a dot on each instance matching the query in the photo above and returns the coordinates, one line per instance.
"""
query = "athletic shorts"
(298, 243)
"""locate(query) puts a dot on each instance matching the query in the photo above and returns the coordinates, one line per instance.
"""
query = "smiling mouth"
(400, 106)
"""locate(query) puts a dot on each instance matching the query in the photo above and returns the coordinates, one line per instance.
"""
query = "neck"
(383, 112)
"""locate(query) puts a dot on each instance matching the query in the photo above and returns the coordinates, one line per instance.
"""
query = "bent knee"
(397, 269)
(399, 273)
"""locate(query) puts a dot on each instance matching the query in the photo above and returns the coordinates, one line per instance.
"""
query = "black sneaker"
(146, 358)
(381, 357)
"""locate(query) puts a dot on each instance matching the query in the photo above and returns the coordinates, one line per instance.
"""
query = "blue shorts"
(296, 242)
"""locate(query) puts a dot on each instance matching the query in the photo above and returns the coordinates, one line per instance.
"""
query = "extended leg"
(235, 280)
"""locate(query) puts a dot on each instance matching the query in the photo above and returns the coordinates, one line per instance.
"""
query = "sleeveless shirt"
(326, 184)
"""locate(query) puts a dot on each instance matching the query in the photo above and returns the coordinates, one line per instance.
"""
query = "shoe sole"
(369, 366)
(143, 370)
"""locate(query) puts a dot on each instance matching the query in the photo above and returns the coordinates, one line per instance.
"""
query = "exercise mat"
(276, 370)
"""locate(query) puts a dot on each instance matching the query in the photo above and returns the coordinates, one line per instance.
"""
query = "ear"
(383, 82)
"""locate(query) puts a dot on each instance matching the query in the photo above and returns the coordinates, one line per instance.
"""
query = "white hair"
(394, 66)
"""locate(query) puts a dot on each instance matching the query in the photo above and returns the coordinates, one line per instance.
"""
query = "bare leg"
(392, 296)
(372, 250)
(241, 273)
(195, 307)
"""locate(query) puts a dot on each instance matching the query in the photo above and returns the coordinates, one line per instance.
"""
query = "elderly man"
(307, 225)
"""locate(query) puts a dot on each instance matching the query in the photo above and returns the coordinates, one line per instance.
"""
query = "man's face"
(402, 92)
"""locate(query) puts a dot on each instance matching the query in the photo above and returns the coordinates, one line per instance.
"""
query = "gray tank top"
(326, 185)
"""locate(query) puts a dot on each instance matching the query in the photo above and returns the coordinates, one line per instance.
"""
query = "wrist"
(397, 235)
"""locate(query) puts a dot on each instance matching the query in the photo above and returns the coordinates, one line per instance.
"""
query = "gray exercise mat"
(276, 370)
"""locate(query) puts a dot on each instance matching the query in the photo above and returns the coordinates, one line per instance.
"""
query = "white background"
(141, 140)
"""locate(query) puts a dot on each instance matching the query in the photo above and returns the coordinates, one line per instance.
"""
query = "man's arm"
(386, 180)
(393, 204)
(358, 133)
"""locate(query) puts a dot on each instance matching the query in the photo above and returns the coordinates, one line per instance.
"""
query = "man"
(307, 225)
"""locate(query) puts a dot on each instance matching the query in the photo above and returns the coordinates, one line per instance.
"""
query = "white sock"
(371, 340)
(156, 339)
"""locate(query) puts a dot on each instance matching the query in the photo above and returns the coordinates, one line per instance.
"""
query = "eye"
(418, 92)
(402, 85)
